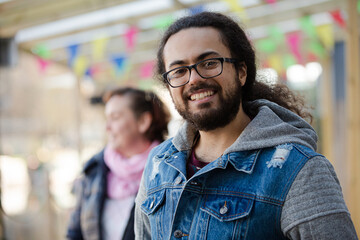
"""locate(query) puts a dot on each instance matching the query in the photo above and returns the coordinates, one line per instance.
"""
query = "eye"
(209, 64)
(177, 73)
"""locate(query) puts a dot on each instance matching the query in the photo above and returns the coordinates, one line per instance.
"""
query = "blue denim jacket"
(238, 196)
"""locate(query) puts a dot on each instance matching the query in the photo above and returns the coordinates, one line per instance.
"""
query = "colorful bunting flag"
(326, 35)
(119, 62)
(276, 63)
(293, 41)
(235, 6)
(316, 48)
(146, 69)
(276, 34)
(42, 51)
(271, 1)
(288, 60)
(73, 52)
(130, 37)
(338, 18)
(163, 22)
(196, 9)
(308, 27)
(98, 48)
(266, 45)
(43, 64)
(80, 66)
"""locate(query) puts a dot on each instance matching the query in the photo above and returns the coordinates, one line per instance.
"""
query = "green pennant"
(288, 60)
(316, 48)
(308, 27)
(163, 22)
(42, 51)
(276, 34)
(266, 45)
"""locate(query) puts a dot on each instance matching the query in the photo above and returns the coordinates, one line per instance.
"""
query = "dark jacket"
(90, 190)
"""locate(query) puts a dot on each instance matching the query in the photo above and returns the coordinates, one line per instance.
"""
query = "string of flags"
(319, 42)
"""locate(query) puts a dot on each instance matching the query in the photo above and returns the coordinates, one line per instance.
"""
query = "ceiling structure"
(60, 24)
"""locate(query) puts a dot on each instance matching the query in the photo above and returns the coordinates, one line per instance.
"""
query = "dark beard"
(213, 118)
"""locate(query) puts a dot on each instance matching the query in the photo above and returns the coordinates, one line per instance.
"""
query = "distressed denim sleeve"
(314, 207)
(142, 223)
(74, 226)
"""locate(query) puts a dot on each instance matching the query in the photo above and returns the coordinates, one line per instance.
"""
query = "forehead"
(188, 44)
(116, 103)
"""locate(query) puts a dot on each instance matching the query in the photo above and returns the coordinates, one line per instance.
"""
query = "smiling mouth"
(202, 95)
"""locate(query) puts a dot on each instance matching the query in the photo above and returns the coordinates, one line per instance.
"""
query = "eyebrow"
(199, 58)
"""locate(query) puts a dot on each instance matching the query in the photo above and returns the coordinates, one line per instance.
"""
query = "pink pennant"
(338, 18)
(271, 1)
(293, 40)
(130, 36)
(147, 69)
(43, 64)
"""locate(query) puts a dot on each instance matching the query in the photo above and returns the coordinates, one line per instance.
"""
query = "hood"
(272, 125)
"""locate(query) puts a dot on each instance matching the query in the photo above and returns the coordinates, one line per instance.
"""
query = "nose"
(107, 126)
(194, 77)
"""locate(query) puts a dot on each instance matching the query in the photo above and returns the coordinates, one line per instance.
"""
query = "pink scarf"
(124, 177)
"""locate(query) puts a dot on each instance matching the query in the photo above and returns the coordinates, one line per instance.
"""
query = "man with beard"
(244, 164)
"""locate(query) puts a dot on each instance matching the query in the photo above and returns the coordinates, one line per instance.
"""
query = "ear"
(242, 74)
(144, 122)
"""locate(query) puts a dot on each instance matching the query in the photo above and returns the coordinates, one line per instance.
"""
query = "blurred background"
(58, 57)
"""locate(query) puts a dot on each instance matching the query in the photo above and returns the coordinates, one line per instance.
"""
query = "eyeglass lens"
(206, 69)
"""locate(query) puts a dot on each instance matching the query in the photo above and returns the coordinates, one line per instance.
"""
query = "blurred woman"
(136, 121)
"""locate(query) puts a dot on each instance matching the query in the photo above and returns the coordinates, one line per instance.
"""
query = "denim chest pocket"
(153, 202)
(226, 216)
(153, 207)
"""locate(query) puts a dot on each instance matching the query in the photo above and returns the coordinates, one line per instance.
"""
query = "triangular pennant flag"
(235, 6)
(271, 1)
(288, 60)
(43, 64)
(317, 49)
(196, 9)
(146, 69)
(266, 45)
(130, 37)
(98, 48)
(276, 34)
(326, 35)
(308, 27)
(119, 62)
(338, 18)
(163, 22)
(73, 52)
(275, 63)
(293, 41)
(42, 51)
(80, 66)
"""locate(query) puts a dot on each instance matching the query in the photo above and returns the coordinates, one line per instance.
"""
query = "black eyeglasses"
(208, 68)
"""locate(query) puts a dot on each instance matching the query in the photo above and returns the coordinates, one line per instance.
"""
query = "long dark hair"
(234, 37)
(145, 101)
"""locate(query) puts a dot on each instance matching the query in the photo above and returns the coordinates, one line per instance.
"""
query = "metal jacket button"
(223, 209)
(178, 180)
(178, 234)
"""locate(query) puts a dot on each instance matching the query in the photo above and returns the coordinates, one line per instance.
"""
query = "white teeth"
(202, 95)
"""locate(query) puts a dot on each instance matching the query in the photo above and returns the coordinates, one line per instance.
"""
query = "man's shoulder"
(162, 147)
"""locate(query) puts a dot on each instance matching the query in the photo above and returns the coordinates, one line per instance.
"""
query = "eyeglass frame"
(221, 59)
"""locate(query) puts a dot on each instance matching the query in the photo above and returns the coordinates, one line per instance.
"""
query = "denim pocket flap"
(227, 208)
(152, 202)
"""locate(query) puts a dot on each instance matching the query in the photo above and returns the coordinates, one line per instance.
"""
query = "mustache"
(199, 86)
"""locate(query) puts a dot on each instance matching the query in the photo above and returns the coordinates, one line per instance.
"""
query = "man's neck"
(212, 144)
